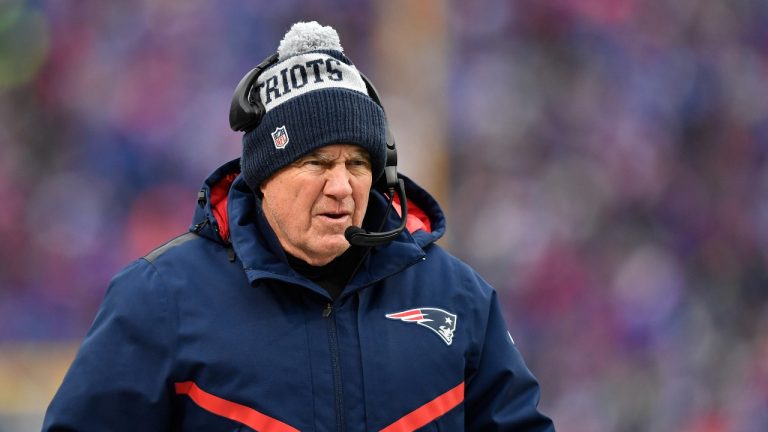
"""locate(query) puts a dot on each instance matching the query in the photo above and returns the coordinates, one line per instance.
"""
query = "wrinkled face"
(311, 202)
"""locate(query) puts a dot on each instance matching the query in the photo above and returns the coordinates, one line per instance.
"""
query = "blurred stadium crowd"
(606, 172)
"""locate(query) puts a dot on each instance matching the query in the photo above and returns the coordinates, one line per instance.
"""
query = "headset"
(246, 112)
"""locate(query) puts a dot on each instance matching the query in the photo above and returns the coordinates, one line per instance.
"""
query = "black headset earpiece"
(392, 184)
(246, 111)
(390, 166)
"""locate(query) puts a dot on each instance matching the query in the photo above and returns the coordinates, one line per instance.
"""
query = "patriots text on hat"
(307, 64)
(304, 73)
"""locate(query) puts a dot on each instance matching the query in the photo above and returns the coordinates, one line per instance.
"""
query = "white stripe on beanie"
(304, 73)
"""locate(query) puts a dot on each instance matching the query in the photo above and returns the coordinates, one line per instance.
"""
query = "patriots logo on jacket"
(439, 321)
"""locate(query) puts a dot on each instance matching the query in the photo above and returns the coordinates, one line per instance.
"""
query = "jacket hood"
(425, 224)
(211, 219)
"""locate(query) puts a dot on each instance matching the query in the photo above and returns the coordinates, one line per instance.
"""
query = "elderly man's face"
(311, 202)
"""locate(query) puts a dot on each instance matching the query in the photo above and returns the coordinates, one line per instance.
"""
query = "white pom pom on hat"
(308, 36)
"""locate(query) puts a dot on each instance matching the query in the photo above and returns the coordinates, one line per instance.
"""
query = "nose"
(337, 183)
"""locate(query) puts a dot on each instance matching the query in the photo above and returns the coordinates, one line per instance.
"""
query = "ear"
(260, 192)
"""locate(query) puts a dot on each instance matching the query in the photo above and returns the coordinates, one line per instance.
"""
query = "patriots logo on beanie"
(315, 92)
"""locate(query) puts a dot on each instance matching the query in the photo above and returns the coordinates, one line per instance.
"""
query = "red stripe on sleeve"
(429, 411)
(231, 410)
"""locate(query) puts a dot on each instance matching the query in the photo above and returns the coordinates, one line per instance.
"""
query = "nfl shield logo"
(280, 137)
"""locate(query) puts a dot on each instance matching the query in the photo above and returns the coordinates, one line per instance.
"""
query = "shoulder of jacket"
(437, 252)
(457, 270)
(177, 241)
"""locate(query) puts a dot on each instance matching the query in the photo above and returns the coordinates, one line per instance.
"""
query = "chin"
(330, 249)
(338, 247)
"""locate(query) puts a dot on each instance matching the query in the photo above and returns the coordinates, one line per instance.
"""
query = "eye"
(358, 163)
(311, 162)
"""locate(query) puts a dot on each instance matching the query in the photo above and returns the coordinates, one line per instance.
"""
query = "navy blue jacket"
(214, 331)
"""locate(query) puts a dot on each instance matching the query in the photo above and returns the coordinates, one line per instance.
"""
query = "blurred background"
(602, 163)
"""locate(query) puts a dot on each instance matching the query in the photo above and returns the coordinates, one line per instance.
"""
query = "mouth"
(334, 216)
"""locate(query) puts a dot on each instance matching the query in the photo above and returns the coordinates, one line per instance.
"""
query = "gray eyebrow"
(358, 152)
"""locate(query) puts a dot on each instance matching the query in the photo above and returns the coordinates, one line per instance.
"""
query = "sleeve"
(118, 380)
(502, 394)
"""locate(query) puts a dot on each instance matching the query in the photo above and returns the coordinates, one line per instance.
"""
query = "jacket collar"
(262, 257)
(228, 212)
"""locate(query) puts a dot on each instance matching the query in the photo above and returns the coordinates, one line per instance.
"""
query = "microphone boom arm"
(359, 237)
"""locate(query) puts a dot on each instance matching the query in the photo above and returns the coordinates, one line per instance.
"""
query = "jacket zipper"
(333, 342)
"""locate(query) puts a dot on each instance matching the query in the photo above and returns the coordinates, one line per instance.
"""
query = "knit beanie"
(313, 96)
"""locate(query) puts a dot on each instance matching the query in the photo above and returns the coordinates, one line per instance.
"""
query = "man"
(264, 317)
